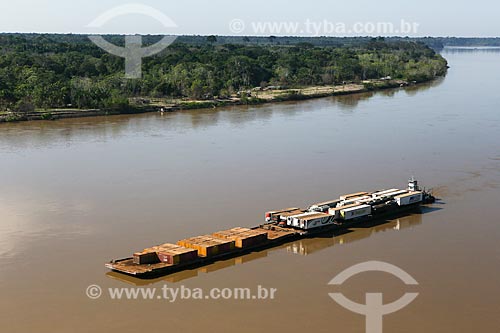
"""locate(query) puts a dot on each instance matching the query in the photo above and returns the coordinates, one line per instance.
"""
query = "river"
(76, 193)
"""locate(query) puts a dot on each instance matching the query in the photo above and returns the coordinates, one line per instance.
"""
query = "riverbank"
(251, 97)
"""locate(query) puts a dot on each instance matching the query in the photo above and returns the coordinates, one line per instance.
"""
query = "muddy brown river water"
(77, 193)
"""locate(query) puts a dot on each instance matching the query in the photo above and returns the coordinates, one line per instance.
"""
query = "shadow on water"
(351, 102)
(306, 246)
(418, 88)
(63, 131)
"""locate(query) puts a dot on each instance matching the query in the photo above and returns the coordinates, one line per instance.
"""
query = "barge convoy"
(281, 226)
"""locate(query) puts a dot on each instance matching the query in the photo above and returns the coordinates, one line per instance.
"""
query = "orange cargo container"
(175, 254)
(207, 246)
(243, 237)
(227, 234)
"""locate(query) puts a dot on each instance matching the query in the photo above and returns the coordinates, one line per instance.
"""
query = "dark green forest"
(62, 71)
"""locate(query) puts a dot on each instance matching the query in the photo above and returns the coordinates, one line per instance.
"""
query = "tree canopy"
(56, 71)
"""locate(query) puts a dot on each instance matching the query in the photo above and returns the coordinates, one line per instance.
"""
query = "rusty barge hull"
(127, 266)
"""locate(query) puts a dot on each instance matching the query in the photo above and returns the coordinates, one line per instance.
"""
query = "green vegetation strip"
(63, 72)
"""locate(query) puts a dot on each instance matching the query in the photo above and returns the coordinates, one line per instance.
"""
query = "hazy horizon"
(235, 35)
(434, 19)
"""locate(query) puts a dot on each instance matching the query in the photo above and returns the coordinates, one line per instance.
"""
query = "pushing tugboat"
(281, 226)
